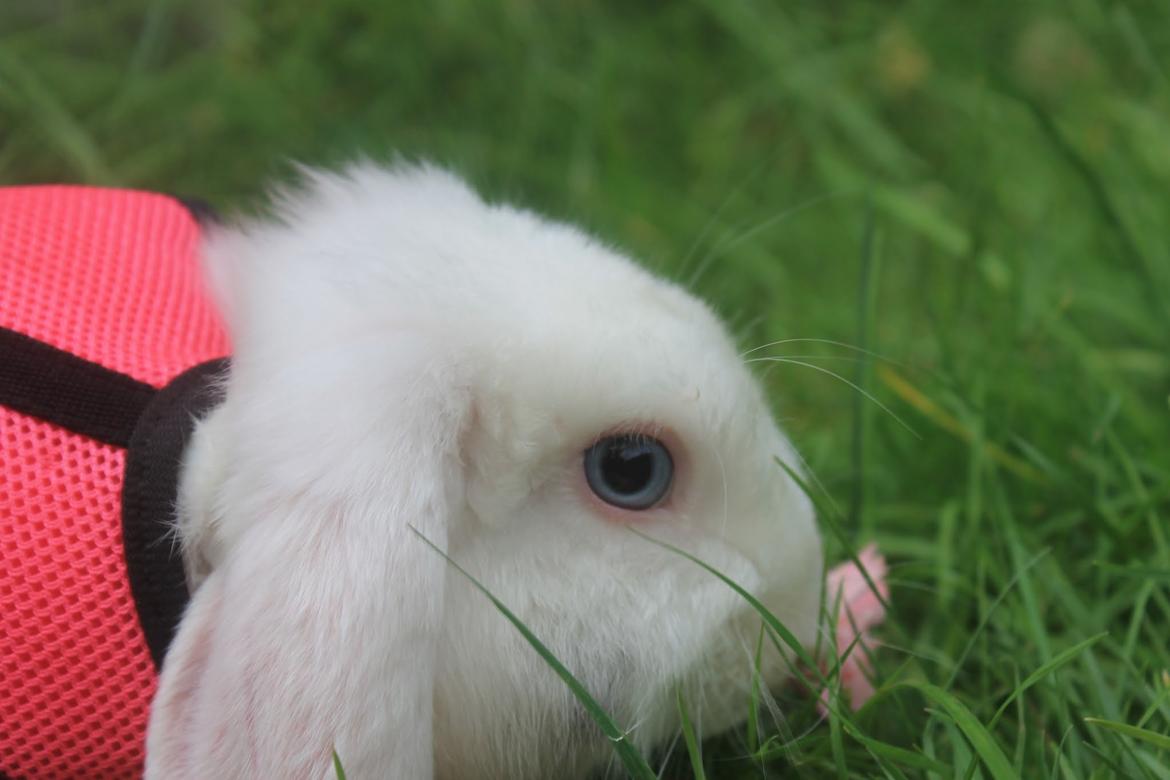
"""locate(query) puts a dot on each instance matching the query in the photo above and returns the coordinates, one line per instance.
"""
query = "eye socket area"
(629, 470)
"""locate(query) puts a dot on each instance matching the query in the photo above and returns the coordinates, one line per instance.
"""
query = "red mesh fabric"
(77, 675)
(111, 276)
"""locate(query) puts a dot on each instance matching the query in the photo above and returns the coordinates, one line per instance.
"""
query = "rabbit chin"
(633, 628)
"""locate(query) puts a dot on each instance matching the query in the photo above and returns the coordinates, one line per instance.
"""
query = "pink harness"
(102, 307)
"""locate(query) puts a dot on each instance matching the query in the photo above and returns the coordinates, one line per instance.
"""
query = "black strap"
(149, 493)
(58, 387)
(153, 425)
(201, 211)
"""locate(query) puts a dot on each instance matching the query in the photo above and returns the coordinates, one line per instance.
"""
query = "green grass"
(979, 193)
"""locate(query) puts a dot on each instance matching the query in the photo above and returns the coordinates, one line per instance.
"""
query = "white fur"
(406, 355)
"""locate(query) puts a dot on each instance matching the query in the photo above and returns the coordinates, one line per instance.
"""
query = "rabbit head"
(410, 361)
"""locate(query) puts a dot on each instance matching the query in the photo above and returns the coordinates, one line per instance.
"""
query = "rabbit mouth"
(738, 651)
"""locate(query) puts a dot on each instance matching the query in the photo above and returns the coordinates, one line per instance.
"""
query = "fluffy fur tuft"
(407, 355)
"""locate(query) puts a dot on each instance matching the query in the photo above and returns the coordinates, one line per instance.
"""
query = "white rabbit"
(410, 358)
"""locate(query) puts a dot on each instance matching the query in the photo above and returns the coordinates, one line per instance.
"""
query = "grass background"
(978, 192)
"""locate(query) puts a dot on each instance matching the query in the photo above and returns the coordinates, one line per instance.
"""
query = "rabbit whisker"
(668, 752)
(869, 396)
(751, 231)
(714, 218)
(830, 342)
(847, 358)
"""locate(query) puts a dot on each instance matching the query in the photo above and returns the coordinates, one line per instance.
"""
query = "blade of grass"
(900, 755)
(866, 295)
(837, 746)
(1060, 659)
(829, 518)
(337, 768)
(890, 772)
(981, 740)
(1161, 741)
(1143, 572)
(1017, 554)
(1112, 763)
(693, 749)
(1110, 214)
(987, 615)
(753, 722)
(60, 127)
(905, 390)
(948, 518)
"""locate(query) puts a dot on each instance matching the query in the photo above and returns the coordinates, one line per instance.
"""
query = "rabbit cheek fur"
(408, 358)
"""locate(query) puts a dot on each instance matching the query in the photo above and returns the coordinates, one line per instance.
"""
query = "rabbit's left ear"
(315, 629)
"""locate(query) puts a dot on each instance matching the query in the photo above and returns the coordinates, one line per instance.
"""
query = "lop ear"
(315, 629)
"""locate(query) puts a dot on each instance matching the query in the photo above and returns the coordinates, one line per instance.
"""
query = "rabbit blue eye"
(629, 471)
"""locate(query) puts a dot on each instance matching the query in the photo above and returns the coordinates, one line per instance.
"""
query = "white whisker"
(710, 223)
(669, 752)
(840, 378)
(847, 358)
(831, 342)
(749, 233)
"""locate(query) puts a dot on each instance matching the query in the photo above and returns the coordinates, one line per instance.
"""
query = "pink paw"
(860, 611)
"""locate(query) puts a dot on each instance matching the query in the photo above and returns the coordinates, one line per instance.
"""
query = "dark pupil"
(627, 467)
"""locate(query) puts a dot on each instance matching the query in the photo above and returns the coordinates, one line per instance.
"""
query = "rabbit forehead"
(375, 246)
(548, 317)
